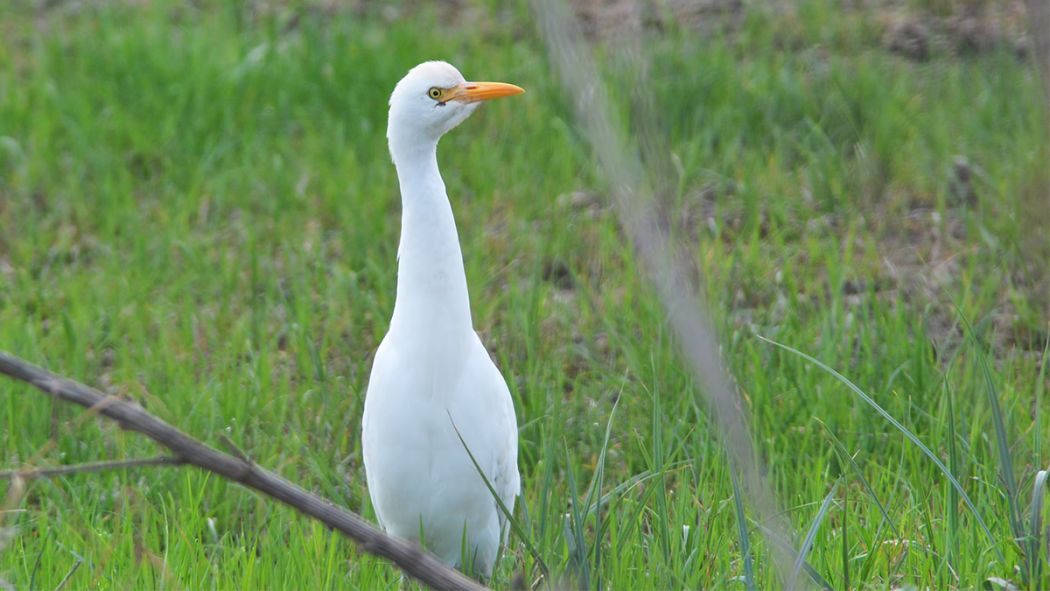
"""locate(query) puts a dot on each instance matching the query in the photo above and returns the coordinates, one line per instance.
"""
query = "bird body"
(434, 392)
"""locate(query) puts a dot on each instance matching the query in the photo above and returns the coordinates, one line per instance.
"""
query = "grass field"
(197, 210)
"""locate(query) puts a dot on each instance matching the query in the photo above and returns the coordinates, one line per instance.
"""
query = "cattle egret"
(432, 376)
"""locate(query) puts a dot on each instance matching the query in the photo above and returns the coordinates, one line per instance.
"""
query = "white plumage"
(431, 371)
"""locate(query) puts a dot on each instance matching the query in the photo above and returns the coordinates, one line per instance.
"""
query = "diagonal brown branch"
(408, 556)
(34, 473)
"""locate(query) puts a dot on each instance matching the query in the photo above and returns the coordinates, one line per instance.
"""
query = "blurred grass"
(197, 210)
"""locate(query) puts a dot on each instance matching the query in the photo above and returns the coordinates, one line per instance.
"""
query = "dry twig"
(408, 556)
(34, 473)
(633, 194)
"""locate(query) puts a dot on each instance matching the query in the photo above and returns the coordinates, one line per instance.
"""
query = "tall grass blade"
(907, 433)
(1035, 519)
(1040, 392)
(845, 538)
(1006, 464)
(660, 495)
(596, 489)
(953, 465)
(806, 567)
(814, 527)
(1035, 525)
(574, 528)
(515, 525)
(545, 492)
(741, 524)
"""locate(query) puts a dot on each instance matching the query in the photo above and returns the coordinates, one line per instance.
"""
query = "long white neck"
(432, 305)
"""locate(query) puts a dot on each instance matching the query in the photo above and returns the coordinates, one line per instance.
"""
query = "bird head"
(433, 98)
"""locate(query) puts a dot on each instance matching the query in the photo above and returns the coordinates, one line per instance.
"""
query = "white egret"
(432, 375)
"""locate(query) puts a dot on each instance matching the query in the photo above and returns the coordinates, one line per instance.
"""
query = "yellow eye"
(434, 93)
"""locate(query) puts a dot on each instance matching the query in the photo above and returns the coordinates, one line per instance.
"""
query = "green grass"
(197, 210)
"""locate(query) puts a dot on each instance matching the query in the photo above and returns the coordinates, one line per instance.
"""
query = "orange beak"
(471, 92)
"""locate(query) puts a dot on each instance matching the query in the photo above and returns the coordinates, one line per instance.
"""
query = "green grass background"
(197, 210)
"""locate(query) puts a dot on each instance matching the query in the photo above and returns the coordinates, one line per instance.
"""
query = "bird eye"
(434, 93)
